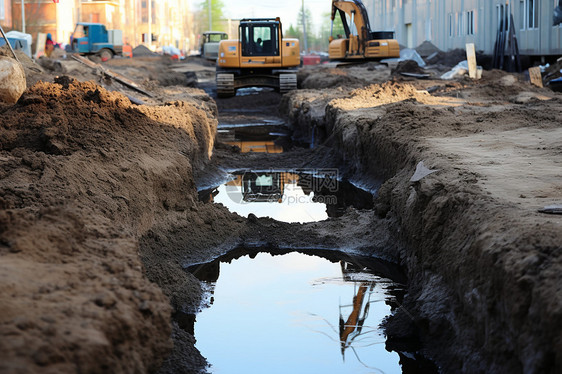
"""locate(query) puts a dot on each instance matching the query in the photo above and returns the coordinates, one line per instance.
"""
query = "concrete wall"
(450, 24)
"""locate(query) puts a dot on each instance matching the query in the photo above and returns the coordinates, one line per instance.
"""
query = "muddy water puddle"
(297, 195)
(296, 313)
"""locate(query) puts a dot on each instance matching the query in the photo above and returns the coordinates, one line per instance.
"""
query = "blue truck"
(95, 39)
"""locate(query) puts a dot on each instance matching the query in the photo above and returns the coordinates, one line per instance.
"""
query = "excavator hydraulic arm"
(360, 42)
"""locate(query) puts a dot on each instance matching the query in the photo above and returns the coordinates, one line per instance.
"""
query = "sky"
(288, 10)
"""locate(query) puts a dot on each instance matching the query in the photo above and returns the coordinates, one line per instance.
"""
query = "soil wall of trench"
(86, 177)
(484, 293)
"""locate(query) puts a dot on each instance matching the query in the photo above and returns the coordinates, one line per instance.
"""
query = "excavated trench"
(272, 306)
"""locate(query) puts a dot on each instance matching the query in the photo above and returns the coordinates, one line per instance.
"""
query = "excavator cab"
(260, 38)
(260, 57)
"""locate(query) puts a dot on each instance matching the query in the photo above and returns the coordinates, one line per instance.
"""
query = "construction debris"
(460, 70)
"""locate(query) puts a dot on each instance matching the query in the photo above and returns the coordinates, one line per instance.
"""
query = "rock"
(12, 80)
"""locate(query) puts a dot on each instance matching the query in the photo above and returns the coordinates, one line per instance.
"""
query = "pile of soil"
(143, 51)
(327, 78)
(408, 66)
(449, 58)
(85, 174)
(426, 49)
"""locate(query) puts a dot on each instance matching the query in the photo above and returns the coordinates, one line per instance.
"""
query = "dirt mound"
(377, 95)
(449, 58)
(143, 51)
(155, 68)
(427, 49)
(60, 118)
(408, 66)
(84, 175)
(327, 78)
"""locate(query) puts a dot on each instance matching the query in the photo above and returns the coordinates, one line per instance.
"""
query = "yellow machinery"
(360, 43)
(261, 57)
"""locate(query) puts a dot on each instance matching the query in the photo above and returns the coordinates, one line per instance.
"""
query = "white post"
(23, 16)
(304, 28)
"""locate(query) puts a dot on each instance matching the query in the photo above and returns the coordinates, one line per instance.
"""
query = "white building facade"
(450, 24)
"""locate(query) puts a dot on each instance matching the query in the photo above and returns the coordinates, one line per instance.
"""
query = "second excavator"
(360, 43)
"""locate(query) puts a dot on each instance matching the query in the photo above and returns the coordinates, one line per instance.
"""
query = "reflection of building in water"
(263, 186)
(353, 326)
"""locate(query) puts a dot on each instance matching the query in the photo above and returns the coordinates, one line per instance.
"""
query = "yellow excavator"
(360, 43)
(260, 57)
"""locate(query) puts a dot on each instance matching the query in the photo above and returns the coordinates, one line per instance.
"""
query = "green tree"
(337, 28)
(217, 16)
(291, 32)
(326, 30)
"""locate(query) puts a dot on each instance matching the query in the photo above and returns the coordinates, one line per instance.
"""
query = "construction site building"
(170, 21)
(450, 24)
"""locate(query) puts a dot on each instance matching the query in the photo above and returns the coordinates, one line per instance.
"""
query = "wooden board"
(118, 77)
(471, 57)
(535, 75)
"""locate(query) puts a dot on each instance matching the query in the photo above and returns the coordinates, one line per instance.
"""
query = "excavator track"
(287, 82)
(225, 85)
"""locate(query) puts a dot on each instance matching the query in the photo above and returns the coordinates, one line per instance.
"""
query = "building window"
(532, 14)
(522, 14)
(460, 27)
(469, 24)
(451, 26)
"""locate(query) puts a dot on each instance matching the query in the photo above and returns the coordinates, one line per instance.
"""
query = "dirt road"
(99, 213)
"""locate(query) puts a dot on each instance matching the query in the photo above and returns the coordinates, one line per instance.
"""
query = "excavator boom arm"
(356, 11)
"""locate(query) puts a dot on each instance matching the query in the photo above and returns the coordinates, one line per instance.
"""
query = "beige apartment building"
(170, 21)
(450, 24)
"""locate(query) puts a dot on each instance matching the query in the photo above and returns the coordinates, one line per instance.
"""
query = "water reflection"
(352, 328)
(277, 314)
(269, 137)
(289, 196)
(256, 146)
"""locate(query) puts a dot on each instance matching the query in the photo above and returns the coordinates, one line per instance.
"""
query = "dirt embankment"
(485, 265)
(85, 174)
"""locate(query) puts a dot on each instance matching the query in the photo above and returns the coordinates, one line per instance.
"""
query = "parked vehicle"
(210, 44)
(95, 39)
